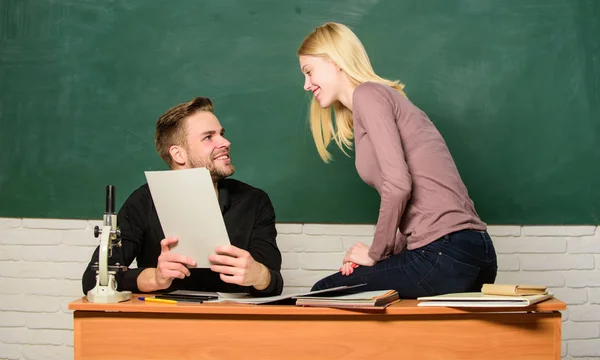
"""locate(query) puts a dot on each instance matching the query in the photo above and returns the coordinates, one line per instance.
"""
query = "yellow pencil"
(164, 301)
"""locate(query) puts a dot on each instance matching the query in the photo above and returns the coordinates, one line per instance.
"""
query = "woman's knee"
(320, 285)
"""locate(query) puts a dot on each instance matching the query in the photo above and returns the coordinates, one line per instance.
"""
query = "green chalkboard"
(513, 85)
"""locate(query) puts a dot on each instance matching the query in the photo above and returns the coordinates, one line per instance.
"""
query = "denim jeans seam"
(485, 243)
(437, 261)
(419, 256)
(483, 261)
(462, 262)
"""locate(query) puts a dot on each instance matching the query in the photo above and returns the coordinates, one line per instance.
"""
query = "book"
(242, 298)
(504, 289)
(360, 300)
(478, 299)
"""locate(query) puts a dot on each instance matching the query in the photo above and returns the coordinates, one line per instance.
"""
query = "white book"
(477, 299)
(188, 207)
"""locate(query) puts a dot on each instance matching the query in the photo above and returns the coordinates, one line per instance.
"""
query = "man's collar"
(224, 198)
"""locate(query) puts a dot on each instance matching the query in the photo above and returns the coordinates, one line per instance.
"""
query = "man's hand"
(169, 267)
(237, 266)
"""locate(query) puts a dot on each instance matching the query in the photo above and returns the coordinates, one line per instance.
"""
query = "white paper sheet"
(188, 208)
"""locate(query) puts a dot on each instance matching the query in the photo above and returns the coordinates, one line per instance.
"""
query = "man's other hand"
(237, 266)
(169, 267)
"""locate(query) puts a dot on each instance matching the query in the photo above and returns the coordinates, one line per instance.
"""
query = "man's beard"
(216, 172)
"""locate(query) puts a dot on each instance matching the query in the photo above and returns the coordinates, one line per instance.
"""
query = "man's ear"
(178, 154)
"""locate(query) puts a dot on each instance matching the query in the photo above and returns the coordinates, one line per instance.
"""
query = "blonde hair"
(338, 43)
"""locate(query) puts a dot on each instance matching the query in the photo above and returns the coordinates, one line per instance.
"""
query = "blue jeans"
(458, 262)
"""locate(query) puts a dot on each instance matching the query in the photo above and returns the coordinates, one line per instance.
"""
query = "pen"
(181, 299)
(151, 299)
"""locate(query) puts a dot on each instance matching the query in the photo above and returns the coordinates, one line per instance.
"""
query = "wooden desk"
(138, 330)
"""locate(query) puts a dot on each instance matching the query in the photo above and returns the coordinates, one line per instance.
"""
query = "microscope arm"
(103, 258)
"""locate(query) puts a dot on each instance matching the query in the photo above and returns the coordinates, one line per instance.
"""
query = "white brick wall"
(41, 261)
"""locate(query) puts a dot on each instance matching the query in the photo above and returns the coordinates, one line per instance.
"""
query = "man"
(189, 135)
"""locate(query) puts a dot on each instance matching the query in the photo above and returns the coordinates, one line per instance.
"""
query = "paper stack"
(362, 300)
(491, 295)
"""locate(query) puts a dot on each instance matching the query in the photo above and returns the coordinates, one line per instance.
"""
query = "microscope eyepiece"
(110, 199)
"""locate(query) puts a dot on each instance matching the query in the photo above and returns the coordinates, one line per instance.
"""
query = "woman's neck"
(346, 93)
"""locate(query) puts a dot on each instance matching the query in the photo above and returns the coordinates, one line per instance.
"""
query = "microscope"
(105, 290)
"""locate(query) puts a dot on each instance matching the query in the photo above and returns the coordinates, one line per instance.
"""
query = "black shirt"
(250, 221)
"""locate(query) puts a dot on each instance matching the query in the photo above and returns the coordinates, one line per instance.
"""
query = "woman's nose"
(307, 84)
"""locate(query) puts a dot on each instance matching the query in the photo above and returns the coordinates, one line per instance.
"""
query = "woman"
(428, 239)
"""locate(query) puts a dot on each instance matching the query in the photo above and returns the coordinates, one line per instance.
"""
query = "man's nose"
(224, 143)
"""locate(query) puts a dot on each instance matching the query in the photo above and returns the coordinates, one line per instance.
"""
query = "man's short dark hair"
(171, 129)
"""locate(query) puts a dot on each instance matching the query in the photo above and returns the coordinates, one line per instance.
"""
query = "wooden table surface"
(404, 307)
(136, 329)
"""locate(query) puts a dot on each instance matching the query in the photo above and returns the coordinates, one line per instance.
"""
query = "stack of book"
(491, 295)
(360, 300)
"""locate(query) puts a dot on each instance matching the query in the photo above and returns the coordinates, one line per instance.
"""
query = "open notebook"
(243, 298)
(477, 299)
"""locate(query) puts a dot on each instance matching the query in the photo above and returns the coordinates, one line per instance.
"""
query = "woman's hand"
(348, 268)
(359, 255)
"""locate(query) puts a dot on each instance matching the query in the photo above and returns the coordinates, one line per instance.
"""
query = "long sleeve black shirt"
(250, 221)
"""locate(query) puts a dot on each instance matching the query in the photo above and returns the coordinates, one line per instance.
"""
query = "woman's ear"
(178, 154)
(337, 67)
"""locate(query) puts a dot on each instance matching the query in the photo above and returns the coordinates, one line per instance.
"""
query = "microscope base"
(107, 294)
